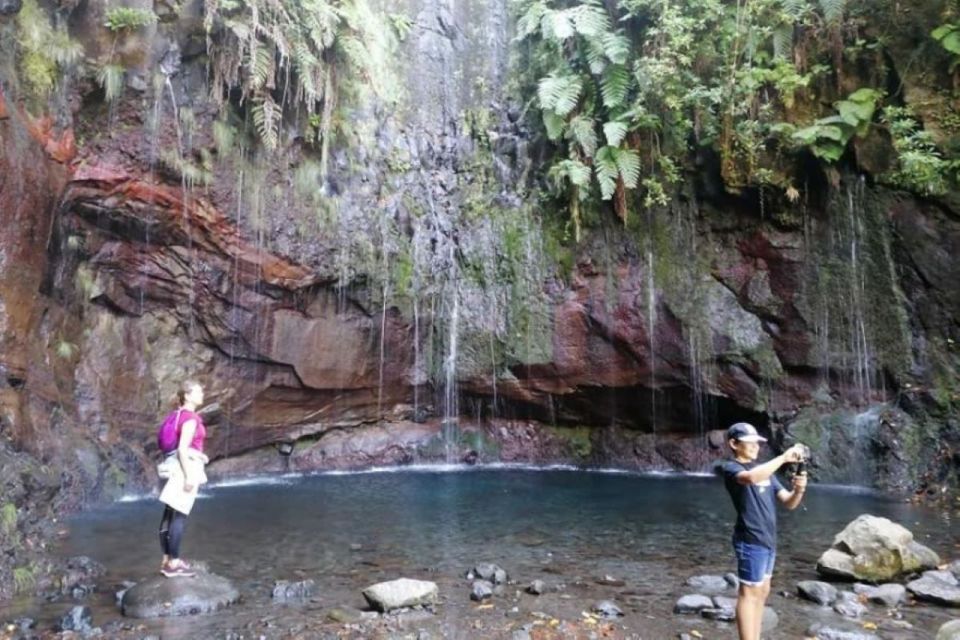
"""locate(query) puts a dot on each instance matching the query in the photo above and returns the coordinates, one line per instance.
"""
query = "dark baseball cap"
(744, 432)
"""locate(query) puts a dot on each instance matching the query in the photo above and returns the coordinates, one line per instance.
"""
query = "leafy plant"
(8, 519)
(45, 52)
(828, 137)
(110, 77)
(128, 18)
(402, 24)
(285, 56)
(948, 35)
(24, 578)
(920, 166)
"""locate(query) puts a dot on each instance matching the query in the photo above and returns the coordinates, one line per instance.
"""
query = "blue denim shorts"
(754, 562)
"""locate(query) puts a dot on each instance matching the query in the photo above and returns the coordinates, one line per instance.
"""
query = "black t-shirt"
(756, 505)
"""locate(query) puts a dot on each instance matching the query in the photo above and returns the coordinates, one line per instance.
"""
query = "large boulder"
(949, 631)
(162, 597)
(875, 550)
(403, 592)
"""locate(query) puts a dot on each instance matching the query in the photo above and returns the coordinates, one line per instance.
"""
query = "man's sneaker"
(179, 570)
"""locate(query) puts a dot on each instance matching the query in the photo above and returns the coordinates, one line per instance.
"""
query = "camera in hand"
(801, 466)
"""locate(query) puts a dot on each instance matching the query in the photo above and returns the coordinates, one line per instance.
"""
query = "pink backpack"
(168, 435)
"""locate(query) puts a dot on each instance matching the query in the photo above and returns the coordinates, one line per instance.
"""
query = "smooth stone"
(820, 592)
(894, 625)
(607, 609)
(720, 614)
(403, 592)
(850, 608)
(162, 597)
(723, 602)
(286, 590)
(770, 619)
(821, 631)
(949, 631)
(481, 590)
(944, 576)
(79, 618)
(890, 594)
(954, 568)
(345, 615)
(489, 572)
(934, 590)
(610, 581)
(708, 583)
(732, 580)
(536, 587)
(692, 603)
(124, 586)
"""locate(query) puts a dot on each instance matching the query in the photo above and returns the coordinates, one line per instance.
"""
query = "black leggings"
(171, 532)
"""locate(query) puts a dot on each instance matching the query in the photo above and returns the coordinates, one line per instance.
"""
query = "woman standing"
(183, 468)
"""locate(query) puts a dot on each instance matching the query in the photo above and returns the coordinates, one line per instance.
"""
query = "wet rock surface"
(159, 597)
(820, 592)
(932, 589)
(400, 593)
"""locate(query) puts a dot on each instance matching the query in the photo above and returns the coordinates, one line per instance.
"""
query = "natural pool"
(346, 531)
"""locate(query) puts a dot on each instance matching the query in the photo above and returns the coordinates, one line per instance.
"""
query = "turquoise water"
(347, 531)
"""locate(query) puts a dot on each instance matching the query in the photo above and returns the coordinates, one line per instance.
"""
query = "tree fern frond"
(783, 41)
(584, 133)
(614, 86)
(557, 25)
(794, 8)
(615, 132)
(590, 19)
(833, 10)
(607, 172)
(266, 118)
(261, 66)
(529, 23)
(110, 77)
(554, 124)
(354, 51)
(616, 46)
(560, 94)
(595, 55)
(628, 164)
(570, 170)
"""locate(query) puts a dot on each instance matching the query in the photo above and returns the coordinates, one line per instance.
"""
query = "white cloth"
(173, 493)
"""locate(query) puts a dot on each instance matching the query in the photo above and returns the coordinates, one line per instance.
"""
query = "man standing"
(754, 488)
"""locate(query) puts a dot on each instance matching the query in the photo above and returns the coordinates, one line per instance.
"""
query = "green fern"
(614, 132)
(794, 8)
(833, 10)
(590, 19)
(110, 77)
(554, 124)
(616, 47)
(558, 25)
(560, 93)
(613, 164)
(572, 172)
(614, 86)
(582, 130)
(128, 18)
(266, 118)
(45, 53)
(783, 41)
(530, 22)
